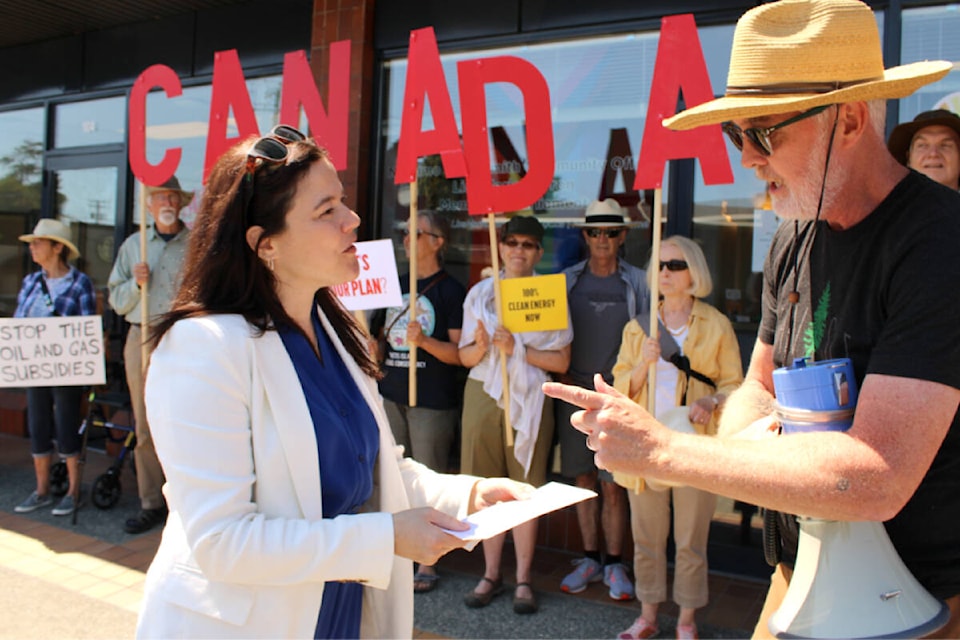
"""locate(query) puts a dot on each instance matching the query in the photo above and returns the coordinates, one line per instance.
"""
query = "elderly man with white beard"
(865, 268)
(160, 273)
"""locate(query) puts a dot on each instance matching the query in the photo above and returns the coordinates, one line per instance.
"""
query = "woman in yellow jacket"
(705, 369)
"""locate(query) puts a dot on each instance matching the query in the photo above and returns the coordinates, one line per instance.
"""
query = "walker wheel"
(106, 491)
(59, 480)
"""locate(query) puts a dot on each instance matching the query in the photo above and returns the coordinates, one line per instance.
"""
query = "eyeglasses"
(760, 136)
(270, 148)
(421, 232)
(674, 265)
(526, 245)
(594, 232)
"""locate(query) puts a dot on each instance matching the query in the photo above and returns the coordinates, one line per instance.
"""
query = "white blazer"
(245, 550)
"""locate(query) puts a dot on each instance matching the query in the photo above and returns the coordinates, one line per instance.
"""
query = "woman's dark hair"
(222, 274)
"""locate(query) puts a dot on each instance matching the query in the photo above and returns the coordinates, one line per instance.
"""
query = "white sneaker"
(66, 506)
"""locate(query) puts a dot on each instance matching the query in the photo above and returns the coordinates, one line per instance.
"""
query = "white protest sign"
(51, 352)
(378, 285)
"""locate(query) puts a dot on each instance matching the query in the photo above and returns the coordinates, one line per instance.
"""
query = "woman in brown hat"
(930, 144)
(53, 413)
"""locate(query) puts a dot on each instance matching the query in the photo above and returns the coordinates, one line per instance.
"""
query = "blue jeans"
(54, 413)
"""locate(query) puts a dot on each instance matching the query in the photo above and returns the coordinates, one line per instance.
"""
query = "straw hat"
(53, 229)
(606, 213)
(172, 185)
(794, 55)
(902, 135)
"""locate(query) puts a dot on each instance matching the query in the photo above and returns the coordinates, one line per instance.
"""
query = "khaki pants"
(650, 522)
(780, 580)
(149, 473)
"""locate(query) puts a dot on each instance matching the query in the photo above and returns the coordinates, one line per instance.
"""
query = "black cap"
(523, 225)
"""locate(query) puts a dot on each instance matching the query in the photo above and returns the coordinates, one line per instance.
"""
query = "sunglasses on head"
(674, 265)
(760, 136)
(526, 245)
(595, 232)
(270, 148)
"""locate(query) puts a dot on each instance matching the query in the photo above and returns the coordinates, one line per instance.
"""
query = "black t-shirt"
(886, 294)
(439, 310)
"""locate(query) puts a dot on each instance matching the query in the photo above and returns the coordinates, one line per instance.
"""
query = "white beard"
(167, 216)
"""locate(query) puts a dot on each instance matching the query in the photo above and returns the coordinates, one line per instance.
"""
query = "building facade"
(69, 73)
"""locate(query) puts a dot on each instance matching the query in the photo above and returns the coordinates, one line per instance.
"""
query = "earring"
(270, 264)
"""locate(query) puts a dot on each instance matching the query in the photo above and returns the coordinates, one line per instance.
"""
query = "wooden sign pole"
(495, 262)
(654, 297)
(413, 230)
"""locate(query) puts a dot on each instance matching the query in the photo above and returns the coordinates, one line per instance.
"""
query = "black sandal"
(525, 606)
(476, 600)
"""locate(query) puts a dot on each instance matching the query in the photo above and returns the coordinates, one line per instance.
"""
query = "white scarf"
(526, 398)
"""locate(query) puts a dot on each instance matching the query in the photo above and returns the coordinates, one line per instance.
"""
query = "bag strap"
(406, 307)
(670, 352)
(46, 293)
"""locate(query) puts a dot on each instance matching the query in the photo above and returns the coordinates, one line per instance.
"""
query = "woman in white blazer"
(292, 512)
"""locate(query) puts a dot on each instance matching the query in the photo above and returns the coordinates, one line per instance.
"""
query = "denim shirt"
(638, 295)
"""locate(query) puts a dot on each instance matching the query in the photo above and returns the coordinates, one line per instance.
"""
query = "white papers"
(504, 516)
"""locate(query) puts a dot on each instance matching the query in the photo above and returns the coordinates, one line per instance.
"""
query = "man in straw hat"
(867, 269)
(930, 144)
(604, 292)
(160, 273)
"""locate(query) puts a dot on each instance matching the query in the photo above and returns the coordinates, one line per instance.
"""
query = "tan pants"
(780, 580)
(650, 522)
(149, 473)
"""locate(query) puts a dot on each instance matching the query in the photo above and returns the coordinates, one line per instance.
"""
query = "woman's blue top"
(348, 441)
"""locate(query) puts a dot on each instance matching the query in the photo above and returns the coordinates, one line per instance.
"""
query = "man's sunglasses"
(595, 232)
(526, 245)
(270, 148)
(760, 136)
(674, 265)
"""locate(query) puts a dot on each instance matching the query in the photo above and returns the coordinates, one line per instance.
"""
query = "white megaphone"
(848, 581)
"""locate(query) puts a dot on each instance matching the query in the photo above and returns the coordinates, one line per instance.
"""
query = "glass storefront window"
(21, 186)
(182, 122)
(599, 90)
(930, 33)
(87, 202)
(91, 122)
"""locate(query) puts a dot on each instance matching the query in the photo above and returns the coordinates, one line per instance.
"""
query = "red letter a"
(425, 81)
(229, 90)
(680, 66)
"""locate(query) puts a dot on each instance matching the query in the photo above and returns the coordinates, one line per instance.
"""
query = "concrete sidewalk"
(86, 581)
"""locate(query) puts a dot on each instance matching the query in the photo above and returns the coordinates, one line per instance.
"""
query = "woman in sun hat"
(53, 413)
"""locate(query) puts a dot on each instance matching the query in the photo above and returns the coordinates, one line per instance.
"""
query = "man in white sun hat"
(604, 292)
(867, 269)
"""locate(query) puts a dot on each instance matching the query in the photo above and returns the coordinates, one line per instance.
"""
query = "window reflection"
(21, 185)
(87, 203)
(182, 122)
(929, 33)
(90, 122)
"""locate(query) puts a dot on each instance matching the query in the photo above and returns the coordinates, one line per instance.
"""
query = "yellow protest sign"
(538, 303)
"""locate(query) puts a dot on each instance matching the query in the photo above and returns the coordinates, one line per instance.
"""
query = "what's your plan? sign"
(51, 352)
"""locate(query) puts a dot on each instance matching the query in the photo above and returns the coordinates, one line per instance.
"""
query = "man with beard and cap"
(865, 267)
(930, 144)
(160, 273)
